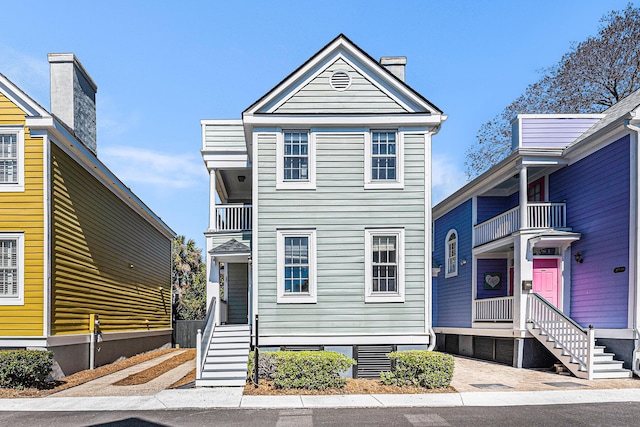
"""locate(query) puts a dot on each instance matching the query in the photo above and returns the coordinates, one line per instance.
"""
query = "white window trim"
(290, 298)
(369, 295)
(369, 183)
(19, 299)
(19, 132)
(281, 184)
(454, 273)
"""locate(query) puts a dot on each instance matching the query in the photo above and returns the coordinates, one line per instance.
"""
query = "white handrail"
(567, 334)
(204, 337)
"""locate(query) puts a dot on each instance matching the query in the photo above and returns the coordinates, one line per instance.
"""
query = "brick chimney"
(73, 97)
(395, 64)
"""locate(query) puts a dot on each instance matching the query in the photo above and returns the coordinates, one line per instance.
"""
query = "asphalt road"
(606, 414)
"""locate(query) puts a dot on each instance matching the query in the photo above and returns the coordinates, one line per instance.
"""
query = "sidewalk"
(478, 384)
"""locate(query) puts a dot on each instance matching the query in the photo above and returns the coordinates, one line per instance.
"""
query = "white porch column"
(213, 287)
(212, 201)
(523, 198)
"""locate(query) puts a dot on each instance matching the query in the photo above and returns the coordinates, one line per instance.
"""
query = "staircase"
(226, 358)
(572, 345)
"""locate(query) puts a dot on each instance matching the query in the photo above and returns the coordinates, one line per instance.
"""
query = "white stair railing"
(203, 339)
(572, 338)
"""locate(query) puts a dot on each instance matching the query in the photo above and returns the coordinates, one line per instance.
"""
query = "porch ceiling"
(236, 185)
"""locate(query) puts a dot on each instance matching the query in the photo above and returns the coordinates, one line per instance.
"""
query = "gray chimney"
(73, 97)
(395, 64)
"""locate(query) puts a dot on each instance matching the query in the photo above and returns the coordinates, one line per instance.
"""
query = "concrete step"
(219, 367)
(221, 383)
(613, 373)
(224, 375)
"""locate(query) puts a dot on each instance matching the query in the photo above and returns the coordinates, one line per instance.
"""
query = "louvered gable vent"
(340, 80)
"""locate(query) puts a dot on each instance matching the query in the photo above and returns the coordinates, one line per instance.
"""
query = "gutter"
(635, 362)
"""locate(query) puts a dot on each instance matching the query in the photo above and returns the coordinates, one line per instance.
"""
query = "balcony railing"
(494, 309)
(539, 215)
(233, 218)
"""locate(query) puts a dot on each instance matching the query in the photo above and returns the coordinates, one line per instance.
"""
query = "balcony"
(233, 217)
(539, 215)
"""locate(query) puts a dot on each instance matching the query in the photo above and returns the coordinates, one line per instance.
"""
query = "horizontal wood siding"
(454, 293)
(361, 97)
(553, 132)
(596, 190)
(488, 207)
(492, 266)
(24, 212)
(340, 210)
(95, 240)
(224, 137)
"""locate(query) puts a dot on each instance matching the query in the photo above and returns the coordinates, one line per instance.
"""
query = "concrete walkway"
(478, 383)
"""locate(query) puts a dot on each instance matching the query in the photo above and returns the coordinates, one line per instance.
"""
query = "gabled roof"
(619, 111)
(353, 58)
(20, 99)
(231, 246)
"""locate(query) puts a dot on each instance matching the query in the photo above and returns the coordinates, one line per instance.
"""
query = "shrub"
(266, 365)
(419, 368)
(314, 370)
(24, 368)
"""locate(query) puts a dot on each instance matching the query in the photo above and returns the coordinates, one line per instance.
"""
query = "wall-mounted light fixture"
(130, 265)
(241, 178)
(463, 261)
(578, 258)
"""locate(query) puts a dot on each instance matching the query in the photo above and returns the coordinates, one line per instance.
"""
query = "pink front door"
(546, 281)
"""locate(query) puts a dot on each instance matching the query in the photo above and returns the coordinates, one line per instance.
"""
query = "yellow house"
(75, 243)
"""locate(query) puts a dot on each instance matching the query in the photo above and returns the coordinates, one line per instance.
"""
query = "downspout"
(635, 362)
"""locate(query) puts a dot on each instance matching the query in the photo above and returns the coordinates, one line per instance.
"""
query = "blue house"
(536, 260)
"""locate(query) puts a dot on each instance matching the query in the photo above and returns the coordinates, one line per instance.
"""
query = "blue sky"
(163, 66)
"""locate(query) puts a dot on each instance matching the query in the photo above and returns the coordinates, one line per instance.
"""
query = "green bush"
(419, 368)
(314, 370)
(24, 368)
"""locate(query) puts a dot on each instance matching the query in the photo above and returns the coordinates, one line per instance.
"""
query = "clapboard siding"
(598, 208)
(224, 136)
(340, 210)
(488, 207)
(550, 131)
(95, 239)
(24, 212)
(492, 266)
(454, 293)
(361, 97)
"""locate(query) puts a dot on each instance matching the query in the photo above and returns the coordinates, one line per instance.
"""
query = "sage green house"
(320, 217)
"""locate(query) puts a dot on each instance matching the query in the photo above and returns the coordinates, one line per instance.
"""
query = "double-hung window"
(383, 161)
(451, 253)
(11, 158)
(296, 160)
(384, 256)
(296, 253)
(11, 269)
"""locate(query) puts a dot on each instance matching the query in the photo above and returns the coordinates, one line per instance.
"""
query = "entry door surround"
(546, 279)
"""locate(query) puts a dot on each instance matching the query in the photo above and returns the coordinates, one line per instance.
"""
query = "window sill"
(381, 185)
(297, 299)
(384, 298)
(11, 188)
(291, 185)
(11, 301)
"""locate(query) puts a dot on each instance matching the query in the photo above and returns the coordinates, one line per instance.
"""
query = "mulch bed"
(353, 386)
(82, 376)
(153, 372)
